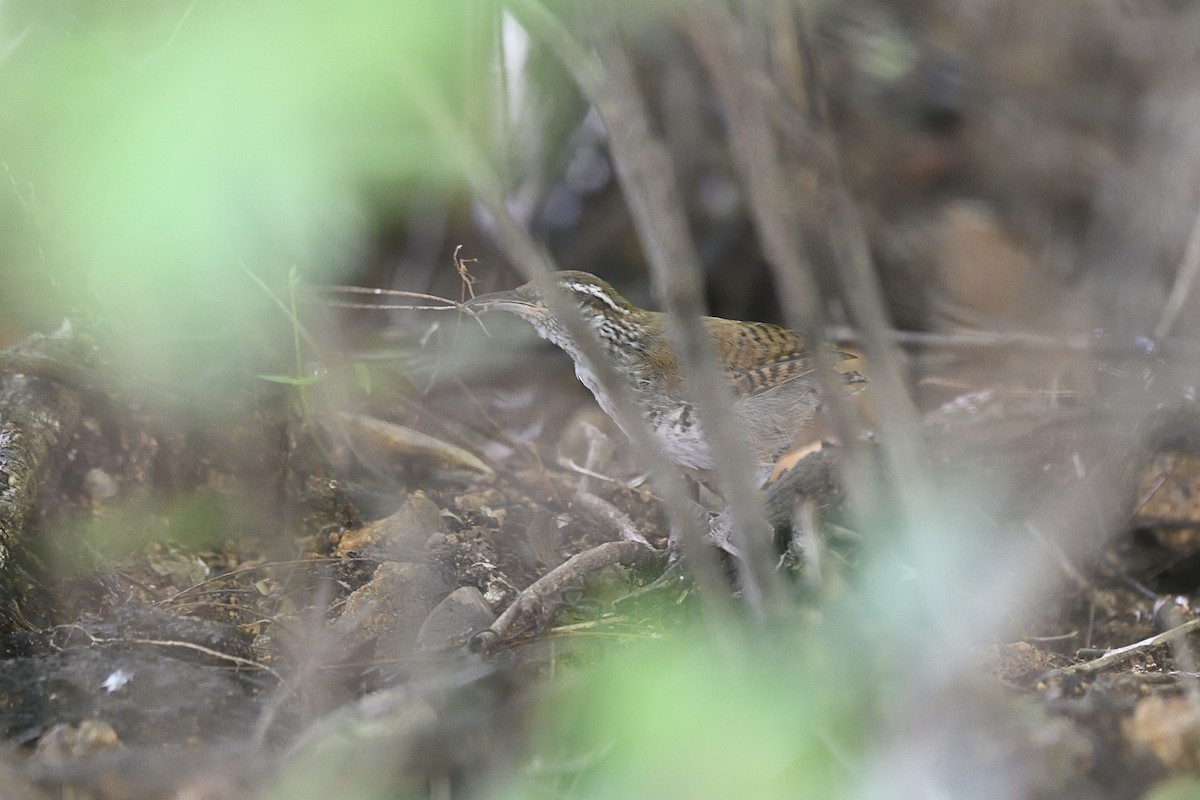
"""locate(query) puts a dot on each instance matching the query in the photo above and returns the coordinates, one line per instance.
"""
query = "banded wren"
(769, 369)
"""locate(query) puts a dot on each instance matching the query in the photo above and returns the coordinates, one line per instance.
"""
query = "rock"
(65, 742)
(365, 749)
(452, 621)
(99, 485)
(390, 608)
(400, 537)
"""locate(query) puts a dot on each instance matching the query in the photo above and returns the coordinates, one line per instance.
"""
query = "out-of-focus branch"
(717, 38)
(535, 263)
(647, 179)
(1185, 279)
(893, 405)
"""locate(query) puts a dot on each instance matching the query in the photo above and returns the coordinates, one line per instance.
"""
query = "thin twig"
(1063, 561)
(610, 515)
(282, 305)
(389, 293)
(388, 306)
(1060, 637)
(1185, 656)
(571, 466)
(450, 305)
(1185, 278)
(1122, 653)
(464, 275)
(979, 338)
(244, 662)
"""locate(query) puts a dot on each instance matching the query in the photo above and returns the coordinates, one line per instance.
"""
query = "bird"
(769, 369)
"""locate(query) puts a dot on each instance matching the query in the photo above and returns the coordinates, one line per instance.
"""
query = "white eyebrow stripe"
(597, 292)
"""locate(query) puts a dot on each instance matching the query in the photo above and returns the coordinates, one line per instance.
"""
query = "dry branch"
(534, 607)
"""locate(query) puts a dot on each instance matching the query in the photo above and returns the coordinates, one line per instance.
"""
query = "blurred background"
(183, 180)
(1013, 165)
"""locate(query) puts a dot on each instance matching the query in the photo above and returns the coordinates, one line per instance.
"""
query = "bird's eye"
(591, 298)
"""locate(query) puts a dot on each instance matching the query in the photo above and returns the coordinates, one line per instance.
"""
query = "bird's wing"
(760, 357)
(757, 357)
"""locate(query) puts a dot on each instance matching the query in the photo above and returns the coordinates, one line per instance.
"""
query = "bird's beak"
(486, 302)
(512, 301)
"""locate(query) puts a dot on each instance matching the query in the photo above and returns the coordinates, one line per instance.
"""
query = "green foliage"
(714, 717)
(192, 521)
(1181, 787)
(150, 149)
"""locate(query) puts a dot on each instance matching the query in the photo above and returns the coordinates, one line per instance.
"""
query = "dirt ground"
(135, 666)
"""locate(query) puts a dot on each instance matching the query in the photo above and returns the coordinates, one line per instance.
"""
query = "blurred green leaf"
(685, 718)
(307, 380)
(362, 374)
(151, 148)
(1181, 787)
(193, 521)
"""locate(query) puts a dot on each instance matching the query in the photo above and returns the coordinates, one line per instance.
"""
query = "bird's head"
(610, 316)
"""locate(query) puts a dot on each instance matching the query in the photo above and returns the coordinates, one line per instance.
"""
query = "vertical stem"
(647, 179)
(520, 248)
